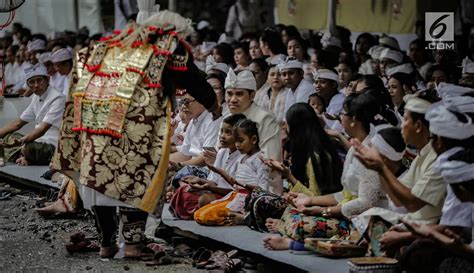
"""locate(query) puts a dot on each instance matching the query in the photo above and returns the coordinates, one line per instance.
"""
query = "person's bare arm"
(36, 133)
(11, 127)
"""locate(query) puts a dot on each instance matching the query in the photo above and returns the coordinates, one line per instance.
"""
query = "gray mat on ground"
(31, 174)
(249, 240)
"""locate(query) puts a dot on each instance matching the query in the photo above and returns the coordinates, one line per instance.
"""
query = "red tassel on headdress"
(92, 68)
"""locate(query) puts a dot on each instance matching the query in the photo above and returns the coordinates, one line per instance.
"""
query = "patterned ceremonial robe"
(116, 125)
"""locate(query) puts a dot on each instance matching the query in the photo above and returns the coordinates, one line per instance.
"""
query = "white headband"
(452, 90)
(35, 45)
(36, 70)
(61, 55)
(375, 52)
(389, 41)
(385, 149)
(244, 80)
(415, 104)
(290, 63)
(392, 55)
(467, 66)
(444, 123)
(325, 74)
(212, 65)
(454, 171)
(403, 68)
(45, 57)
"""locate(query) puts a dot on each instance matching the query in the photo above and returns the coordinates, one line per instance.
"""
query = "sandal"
(143, 254)
(201, 255)
(182, 250)
(218, 259)
(80, 244)
(229, 266)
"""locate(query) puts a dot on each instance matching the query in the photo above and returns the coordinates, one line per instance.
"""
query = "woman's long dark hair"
(309, 140)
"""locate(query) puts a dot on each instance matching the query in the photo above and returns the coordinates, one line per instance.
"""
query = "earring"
(352, 124)
(418, 131)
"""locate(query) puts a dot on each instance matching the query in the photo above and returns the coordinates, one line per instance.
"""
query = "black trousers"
(107, 220)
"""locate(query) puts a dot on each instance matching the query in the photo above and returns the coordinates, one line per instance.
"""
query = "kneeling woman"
(327, 215)
(251, 173)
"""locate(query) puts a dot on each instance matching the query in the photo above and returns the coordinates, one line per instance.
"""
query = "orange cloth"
(214, 214)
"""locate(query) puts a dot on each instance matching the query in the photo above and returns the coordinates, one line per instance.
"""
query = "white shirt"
(455, 212)
(334, 108)
(67, 83)
(21, 77)
(202, 132)
(228, 162)
(251, 170)
(57, 81)
(300, 94)
(268, 131)
(47, 108)
(262, 98)
(11, 76)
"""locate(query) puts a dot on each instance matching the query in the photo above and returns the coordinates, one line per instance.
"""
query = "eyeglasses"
(185, 102)
(35, 81)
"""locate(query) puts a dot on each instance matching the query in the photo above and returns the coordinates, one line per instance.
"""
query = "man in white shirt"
(240, 91)
(292, 74)
(62, 61)
(34, 47)
(45, 110)
(202, 131)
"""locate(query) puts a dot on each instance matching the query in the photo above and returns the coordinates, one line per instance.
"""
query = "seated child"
(251, 173)
(196, 192)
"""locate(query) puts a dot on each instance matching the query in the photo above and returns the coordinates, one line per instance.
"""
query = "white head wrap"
(224, 38)
(61, 55)
(403, 68)
(202, 24)
(326, 74)
(385, 149)
(35, 45)
(212, 65)
(244, 80)
(415, 104)
(290, 63)
(375, 52)
(454, 171)
(389, 41)
(45, 57)
(445, 123)
(36, 70)
(467, 66)
(206, 47)
(392, 55)
(451, 90)
(150, 15)
(328, 40)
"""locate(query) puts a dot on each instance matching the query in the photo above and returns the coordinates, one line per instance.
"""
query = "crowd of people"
(310, 138)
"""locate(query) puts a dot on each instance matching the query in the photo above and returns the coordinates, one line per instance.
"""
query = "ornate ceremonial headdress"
(124, 62)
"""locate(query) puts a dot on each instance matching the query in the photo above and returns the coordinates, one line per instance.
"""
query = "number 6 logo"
(437, 24)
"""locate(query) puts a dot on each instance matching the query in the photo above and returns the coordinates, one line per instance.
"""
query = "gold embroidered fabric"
(116, 129)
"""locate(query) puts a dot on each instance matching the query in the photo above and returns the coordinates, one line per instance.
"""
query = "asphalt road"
(30, 243)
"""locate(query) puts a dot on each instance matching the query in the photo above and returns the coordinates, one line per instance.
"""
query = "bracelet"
(326, 212)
